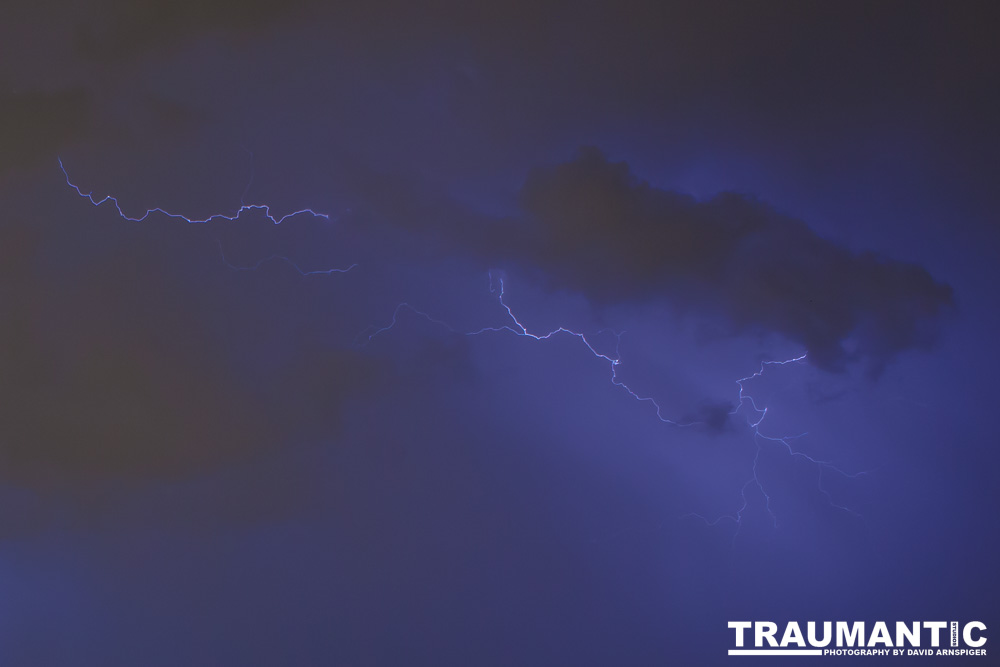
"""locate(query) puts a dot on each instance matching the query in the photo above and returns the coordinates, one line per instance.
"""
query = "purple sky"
(204, 465)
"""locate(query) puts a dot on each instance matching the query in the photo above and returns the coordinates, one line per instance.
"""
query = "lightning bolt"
(755, 414)
(755, 417)
(265, 208)
(286, 260)
(518, 329)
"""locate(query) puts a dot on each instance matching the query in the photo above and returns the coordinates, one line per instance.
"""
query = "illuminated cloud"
(592, 226)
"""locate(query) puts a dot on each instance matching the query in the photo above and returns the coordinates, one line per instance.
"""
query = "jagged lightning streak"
(244, 207)
(518, 329)
(265, 208)
(755, 417)
(286, 260)
(755, 413)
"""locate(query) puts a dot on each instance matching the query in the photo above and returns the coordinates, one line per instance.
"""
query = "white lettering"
(827, 633)
(765, 630)
(739, 626)
(912, 635)
(856, 637)
(792, 634)
(880, 635)
(935, 627)
(967, 634)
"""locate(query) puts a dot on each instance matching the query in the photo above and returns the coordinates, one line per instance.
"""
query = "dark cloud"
(715, 416)
(155, 404)
(122, 29)
(122, 368)
(34, 125)
(592, 226)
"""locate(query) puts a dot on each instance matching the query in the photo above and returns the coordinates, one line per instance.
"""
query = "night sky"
(347, 439)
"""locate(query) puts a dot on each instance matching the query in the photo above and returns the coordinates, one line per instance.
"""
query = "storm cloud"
(124, 370)
(592, 226)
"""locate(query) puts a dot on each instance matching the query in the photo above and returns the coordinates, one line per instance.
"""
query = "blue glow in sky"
(583, 332)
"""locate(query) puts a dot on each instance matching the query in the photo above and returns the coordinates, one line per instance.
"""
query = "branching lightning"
(755, 417)
(518, 329)
(755, 414)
